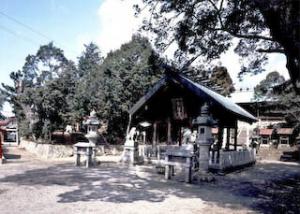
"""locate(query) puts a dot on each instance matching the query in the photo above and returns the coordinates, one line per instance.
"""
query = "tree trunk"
(283, 19)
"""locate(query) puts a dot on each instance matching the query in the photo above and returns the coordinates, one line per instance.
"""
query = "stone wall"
(50, 151)
(110, 150)
(47, 151)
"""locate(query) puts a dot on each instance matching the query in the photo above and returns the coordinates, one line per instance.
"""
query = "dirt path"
(30, 185)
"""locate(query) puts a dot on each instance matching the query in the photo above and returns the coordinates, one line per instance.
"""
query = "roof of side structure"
(198, 90)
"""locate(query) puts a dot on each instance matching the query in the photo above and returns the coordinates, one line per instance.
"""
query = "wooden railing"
(156, 152)
(225, 160)
(232, 159)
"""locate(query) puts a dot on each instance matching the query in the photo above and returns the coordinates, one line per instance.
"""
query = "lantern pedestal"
(130, 153)
(204, 156)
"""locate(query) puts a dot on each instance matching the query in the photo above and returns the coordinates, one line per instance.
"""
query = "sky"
(72, 23)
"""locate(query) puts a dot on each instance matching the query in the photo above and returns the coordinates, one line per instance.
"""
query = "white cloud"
(117, 23)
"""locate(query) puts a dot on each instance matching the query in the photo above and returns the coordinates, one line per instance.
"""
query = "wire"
(30, 29)
(18, 35)
(25, 26)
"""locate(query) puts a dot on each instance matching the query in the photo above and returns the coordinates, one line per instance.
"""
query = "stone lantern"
(88, 149)
(204, 136)
(92, 126)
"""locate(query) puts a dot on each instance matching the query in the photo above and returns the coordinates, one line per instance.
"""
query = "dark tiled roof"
(285, 131)
(4, 122)
(200, 91)
(265, 132)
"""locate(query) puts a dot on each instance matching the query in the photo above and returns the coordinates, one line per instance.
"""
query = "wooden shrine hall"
(172, 104)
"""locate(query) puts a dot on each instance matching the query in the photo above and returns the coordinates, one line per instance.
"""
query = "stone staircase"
(242, 136)
(281, 153)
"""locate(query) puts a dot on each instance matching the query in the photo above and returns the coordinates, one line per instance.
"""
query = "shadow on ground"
(254, 188)
(12, 156)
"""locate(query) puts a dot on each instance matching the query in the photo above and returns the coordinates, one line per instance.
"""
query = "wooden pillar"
(180, 136)
(227, 146)
(235, 138)
(167, 168)
(169, 138)
(129, 124)
(220, 141)
(77, 160)
(188, 170)
(154, 134)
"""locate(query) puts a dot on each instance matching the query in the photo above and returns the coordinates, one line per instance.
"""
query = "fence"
(232, 159)
(154, 152)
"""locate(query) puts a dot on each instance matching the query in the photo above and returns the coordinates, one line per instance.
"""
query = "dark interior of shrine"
(173, 108)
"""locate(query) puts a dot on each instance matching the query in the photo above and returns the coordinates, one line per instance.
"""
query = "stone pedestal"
(203, 174)
(130, 153)
(87, 150)
(181, 157)
(204, 156)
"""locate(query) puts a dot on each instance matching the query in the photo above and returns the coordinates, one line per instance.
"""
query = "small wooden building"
(9, 131)
(171, 105)
(284, 135)
(265, 136)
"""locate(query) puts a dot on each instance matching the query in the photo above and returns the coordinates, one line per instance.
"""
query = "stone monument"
(130, 153)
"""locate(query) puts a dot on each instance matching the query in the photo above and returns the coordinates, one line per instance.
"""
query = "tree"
(281, 98)
(124, 76)
(217, 78)
(42, 92)
(221, 78)
(208, 28)
(89, 60)
(289, 103)
(264, 90)
(87, 83)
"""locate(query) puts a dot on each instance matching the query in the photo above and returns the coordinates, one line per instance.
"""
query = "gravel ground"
(31, 185)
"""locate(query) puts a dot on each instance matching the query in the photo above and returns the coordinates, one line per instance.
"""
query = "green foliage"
(50, 92)
(289, 103)
(42, 91)
(88, 83)
(221, 77)
(282, 98)
(264, 90)
(124, 76)
(208, 28)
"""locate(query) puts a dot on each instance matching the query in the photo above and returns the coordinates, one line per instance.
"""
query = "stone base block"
(201, 177)
(129, 156)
